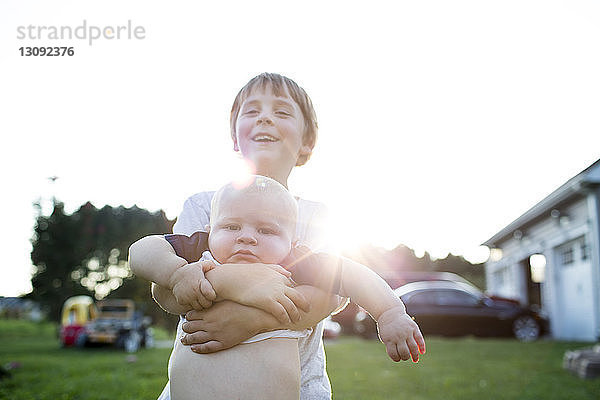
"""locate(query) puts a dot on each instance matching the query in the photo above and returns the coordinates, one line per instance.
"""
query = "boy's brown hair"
(279, 84)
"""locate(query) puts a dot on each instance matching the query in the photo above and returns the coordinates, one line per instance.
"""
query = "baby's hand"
(401, 335)
(191, 288)
(267, 287)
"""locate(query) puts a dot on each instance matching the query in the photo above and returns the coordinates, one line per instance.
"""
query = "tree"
(474, 273)
(392, 263)
(86, 253)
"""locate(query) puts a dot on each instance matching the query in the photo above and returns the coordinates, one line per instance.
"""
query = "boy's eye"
(232, 227)
(267, 231)
(283, 113)
(250, 112)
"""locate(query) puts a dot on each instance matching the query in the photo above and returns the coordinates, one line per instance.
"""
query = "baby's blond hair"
(259, 185)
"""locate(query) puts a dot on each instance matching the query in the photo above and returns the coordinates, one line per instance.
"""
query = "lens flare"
(243, 174)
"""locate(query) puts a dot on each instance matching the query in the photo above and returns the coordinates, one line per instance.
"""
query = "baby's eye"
(250, 112)
(231, 227)
(283, 113)
(267, 231)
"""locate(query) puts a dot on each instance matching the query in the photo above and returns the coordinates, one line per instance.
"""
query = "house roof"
(572, 188)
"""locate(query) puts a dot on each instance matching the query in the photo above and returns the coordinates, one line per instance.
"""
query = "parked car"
(457, 308)
(347, 316)
(120, 324)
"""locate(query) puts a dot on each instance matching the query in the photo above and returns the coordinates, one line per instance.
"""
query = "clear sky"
(440, 122)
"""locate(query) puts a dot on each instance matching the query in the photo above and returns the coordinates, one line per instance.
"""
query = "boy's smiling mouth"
(263, 137)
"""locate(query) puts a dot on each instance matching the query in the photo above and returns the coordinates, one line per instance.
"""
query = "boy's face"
(251, 229)
(270, 132)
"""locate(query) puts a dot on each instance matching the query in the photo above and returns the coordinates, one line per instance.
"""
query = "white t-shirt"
(314, 382)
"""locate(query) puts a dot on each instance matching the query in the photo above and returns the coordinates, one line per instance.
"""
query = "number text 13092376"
(46, 51)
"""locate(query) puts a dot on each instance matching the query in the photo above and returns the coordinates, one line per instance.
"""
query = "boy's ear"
(305, 150)
(236, 147)
(307, 146)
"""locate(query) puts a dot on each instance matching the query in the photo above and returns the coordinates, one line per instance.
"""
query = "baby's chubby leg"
(269, 369)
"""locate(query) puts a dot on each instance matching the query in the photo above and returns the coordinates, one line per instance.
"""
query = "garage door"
(575, 297)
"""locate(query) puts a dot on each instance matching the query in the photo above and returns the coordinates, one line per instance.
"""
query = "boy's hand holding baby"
(219, 327)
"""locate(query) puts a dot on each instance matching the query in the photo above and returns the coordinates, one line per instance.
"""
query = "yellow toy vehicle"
(77, 311)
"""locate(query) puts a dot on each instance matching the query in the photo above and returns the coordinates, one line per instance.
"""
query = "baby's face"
(251, 229)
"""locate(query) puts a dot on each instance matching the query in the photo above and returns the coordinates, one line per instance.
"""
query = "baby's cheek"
(284, 249)
(276, 251)
(218, 247)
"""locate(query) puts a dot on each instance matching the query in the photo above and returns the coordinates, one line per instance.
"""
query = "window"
(421, 298)
(566, 255)
(585, 251)
(501, 278)
(456, 298)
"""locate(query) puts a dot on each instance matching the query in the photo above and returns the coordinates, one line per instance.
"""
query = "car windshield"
(420, 298)
(441, 297)
(114, 309)
(455, 298)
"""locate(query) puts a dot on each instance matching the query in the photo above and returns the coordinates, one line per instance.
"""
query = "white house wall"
(594, 242)
(506, 278)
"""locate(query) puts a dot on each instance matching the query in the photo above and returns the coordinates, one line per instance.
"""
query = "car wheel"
(148, 338)
(132, 342)
(526, 328)
(81, 340)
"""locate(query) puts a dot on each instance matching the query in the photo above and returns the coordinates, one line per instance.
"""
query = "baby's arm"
(343, 276)
(166, 300)
(397, 330)
(179, 286)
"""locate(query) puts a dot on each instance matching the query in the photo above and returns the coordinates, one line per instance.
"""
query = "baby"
(254, 224)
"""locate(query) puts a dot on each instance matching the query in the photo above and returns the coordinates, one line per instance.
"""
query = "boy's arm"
(153, 258)
(227, 324)
(322, 304)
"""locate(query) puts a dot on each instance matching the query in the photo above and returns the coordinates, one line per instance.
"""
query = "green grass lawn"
(463, 368)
